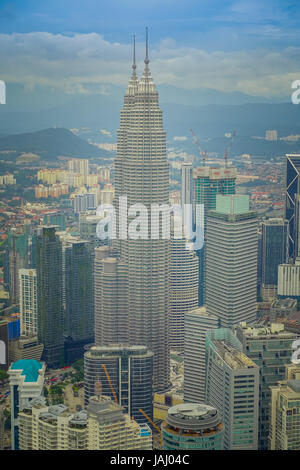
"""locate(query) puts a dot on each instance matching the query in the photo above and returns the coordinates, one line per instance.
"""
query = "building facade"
(231, 254)
(196, 324)
(232, 386)
(192, 426)
(125, 373)
(49, 295)
(271, 349)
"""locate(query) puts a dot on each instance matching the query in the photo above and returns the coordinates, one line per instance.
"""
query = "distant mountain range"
(48, 144)
(183, 109)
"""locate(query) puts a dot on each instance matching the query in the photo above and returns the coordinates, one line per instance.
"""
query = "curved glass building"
(128, 370)
(192, 426)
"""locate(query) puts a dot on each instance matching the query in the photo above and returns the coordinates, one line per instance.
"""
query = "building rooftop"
(29, 367)
(193, 416)
(234, 358)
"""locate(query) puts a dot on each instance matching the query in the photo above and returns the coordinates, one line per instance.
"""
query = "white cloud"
(84, 61)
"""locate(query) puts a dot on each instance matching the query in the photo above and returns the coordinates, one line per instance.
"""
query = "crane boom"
(229, 147)
(201, 152)
(110, 384)
(150, 420)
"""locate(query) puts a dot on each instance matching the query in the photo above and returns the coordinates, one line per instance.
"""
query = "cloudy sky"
(79, 46)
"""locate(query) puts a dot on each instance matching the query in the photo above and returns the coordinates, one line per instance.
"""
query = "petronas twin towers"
(132, 286)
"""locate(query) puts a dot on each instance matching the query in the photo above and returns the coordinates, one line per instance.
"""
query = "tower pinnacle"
(134, 64)
(146, 58)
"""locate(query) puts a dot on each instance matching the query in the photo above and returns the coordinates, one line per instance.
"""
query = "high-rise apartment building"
(49, 295)
(142, 176)
(192, 426)
(110, 429)
(17, 257)
(26, 378)
(28, 301)
(124, 373)
(102, 426)
(79, 165)
(208, 182)
(196, 324)
(83, 202)
(231, 254)
(271, 349)
(183, 289)
(232, 386)
(274, 253)
(285, 412)
(292, 189)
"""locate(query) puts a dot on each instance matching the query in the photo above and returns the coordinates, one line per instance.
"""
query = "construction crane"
(196, 142)
(110, 384)
(229, 147)
(152, 423)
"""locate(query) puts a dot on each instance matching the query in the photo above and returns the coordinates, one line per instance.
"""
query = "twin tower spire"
(146, 61)
(145, 84)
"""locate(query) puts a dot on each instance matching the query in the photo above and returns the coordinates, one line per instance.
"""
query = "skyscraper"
(79, 324)
(208, 182)
(292, 188)
(183, 289)
(285, 412)
(196, 324)
(49, 295)
(142, 176)
(274, 252)
(232, 386)
(28, 301)
(271, 349)
(231, 274)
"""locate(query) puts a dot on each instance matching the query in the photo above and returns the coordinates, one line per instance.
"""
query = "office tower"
(43, 427)
(79, 320)
(285, 412)
(274, 252)
(26, 378)
(192, 426)
(183, 289)
(110, 429)
(79, 165)
(271, 349)
(125, 373)
(142, 175)
(208, 182)
(288, 280)
(292, 188)
(186, 185)
(83, 202)
(17, 258)
(196, 324)
(232, 386)
(49, 295)
(28, 301)
(231, 254)
(9, 332)
(110, 298)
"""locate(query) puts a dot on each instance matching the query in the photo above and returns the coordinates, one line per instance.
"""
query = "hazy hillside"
(49, 144)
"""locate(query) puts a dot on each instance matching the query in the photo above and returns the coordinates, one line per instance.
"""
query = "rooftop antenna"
(134, 64)
(146, 58)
